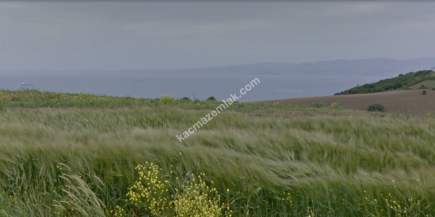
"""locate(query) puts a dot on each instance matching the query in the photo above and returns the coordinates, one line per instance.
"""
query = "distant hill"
(413, 80)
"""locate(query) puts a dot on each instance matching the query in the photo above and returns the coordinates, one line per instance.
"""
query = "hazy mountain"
(362, 67)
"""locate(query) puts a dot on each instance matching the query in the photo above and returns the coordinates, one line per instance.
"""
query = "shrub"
(192, 196)
(424, 92)
(151, 190)
(167, 99)
(376, 108)
(211, 98)
(196, 198)
(186, 99)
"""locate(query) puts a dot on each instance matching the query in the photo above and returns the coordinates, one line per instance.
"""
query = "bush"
(193, 196)
(376, 108)
(196, 198)
(167, 99)
(424, 92)
(151, 190)
(186, 99)
(211, 98)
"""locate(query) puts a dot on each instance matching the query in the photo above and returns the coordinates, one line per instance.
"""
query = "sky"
(169, 35)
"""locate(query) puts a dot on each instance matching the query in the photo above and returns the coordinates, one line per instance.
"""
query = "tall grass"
(73, 156)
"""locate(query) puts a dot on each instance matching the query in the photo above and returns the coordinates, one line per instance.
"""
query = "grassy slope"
(332, 162)
(405, 81)
(424, 85)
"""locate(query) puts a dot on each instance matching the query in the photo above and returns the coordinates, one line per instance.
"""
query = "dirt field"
(403, 101)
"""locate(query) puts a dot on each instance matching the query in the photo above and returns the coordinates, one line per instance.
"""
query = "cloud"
(189, 34)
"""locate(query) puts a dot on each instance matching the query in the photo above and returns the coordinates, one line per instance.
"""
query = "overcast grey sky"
(135, 35)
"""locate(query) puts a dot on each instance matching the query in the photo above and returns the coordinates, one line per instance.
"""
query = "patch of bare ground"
(401, 101)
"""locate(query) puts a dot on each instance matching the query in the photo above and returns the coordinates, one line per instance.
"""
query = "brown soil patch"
(402, 101)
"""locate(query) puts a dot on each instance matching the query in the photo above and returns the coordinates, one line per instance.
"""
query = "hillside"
(413, 80)
(83, 155)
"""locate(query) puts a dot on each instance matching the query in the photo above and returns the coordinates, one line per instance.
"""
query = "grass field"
(76, 154)
(427, 84)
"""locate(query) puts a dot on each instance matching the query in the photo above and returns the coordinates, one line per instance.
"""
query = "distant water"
(271, 87)
(278, 80)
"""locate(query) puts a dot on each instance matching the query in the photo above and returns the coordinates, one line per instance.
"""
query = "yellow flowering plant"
(197, 199)
(151, 190)
(193, 197)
